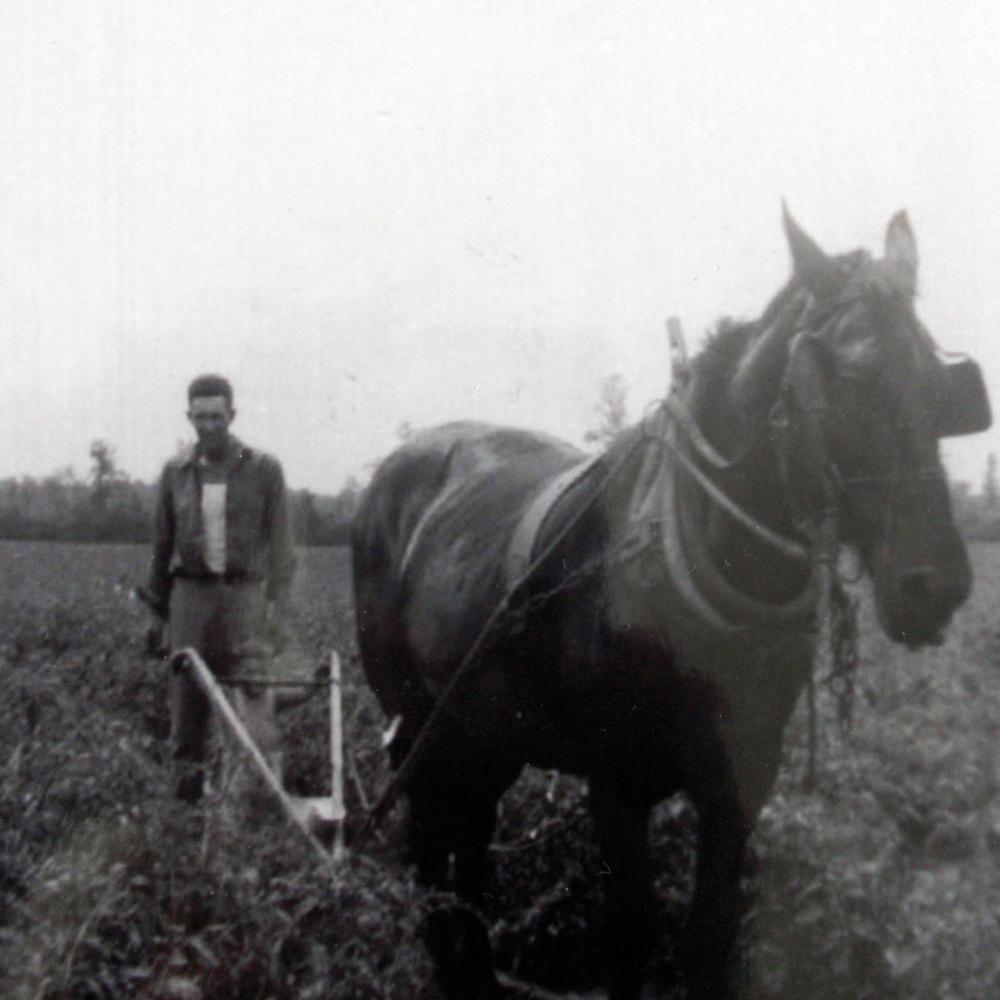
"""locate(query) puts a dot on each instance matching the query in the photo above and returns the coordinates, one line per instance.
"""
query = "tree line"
(978, 514)
(107, 505)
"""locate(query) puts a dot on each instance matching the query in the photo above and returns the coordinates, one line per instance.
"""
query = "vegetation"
(979, 514)
(610, 410)
(883, 882)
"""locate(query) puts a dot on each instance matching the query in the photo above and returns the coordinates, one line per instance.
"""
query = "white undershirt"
(213, 514)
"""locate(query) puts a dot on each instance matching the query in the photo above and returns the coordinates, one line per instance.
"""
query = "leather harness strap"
(522, 542)
(421, 526)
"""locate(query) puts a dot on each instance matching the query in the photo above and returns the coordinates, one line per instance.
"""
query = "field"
(881, 883)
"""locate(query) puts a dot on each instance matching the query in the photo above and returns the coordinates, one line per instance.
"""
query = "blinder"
(964, 405)
(802, 400)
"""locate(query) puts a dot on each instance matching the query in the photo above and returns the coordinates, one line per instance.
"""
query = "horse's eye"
(858, 354)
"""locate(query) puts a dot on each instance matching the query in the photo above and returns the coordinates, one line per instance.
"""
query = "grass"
(883, 882)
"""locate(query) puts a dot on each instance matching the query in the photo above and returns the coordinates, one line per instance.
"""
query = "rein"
(801, 403)
(786, 546)
(823, 553)
(506, 609)
(503, 609)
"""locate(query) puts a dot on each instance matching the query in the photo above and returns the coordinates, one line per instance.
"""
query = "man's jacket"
(258, 531)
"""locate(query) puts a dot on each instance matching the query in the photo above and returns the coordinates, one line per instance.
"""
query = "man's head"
(210, 410)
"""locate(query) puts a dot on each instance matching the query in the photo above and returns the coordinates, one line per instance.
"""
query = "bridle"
(814, 488)
(810, 524)
(673, 429)
(803, 407)
(820, 497)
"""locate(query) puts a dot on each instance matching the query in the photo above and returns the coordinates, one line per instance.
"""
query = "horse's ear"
(901, 254)
(812, 266)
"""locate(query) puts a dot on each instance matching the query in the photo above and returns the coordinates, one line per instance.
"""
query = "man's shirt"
(257, 540)
(213, 516)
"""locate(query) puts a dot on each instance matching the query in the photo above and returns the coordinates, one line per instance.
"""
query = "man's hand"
(278, 622)
(155, 639)
(159, 608)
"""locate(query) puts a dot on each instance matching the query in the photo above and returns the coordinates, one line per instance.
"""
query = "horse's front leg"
(623, 831)
(454, 820)
(716, 909)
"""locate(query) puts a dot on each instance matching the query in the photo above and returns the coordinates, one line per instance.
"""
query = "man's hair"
(211, 385)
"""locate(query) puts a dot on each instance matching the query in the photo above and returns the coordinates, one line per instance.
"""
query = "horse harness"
(965, 409)
(515, 608)
(960, 407)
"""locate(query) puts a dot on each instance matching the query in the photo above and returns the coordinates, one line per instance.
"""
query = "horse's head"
(858, 398)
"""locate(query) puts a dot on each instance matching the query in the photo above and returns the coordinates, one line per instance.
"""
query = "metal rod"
(810, 779)
(337, 810)
(680, 369)
(207, 682)
(263, 682)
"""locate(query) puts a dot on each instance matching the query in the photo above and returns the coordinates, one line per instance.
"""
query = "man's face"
(211, 416)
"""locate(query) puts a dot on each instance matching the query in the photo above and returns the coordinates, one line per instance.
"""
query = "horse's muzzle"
(916, 602)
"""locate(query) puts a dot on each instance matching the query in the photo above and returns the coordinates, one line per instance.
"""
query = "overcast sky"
(375, 212)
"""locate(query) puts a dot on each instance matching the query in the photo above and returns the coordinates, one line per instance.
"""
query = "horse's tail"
(382, 533)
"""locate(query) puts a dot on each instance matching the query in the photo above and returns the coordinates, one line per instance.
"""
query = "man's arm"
(157, 592)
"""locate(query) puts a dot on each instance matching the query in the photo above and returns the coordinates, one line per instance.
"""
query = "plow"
(304, 813)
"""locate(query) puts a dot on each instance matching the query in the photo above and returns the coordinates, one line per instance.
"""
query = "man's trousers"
(224, 622)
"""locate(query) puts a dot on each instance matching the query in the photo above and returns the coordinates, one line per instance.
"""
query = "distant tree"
(991, 488)
(117, 506)
(961, 492)
(343, 507)
(60, 506)
(57, 506)
(104, 473)
(308, 524)
(965, 506)
(346, 501)
(325, 520)
(610, 410)
(404, 431)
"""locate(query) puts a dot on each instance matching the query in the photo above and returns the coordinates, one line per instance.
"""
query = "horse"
(647, 617)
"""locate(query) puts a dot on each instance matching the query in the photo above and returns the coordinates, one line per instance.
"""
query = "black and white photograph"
(499, 501)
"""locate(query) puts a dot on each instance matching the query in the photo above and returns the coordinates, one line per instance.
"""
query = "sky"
(376, 213)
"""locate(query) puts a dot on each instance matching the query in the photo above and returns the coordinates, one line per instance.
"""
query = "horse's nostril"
(918, 584)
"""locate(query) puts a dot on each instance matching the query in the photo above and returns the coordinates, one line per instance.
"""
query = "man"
(221, 570)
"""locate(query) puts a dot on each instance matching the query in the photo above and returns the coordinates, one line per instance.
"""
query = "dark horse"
(657, 603)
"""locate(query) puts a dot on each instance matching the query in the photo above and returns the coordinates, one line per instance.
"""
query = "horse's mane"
(728, 341)
(726, 345)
